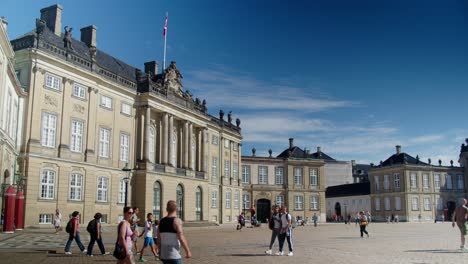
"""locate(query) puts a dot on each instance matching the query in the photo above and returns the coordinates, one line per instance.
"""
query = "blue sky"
(354, 77)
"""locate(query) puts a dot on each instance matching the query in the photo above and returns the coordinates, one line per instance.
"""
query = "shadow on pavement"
(437, 251)
(242, 255)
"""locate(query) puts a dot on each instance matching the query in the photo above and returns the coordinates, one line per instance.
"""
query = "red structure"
(9, 200)
(19, 210)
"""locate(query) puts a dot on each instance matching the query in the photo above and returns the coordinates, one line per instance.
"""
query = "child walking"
(155, 236)
(148, 233)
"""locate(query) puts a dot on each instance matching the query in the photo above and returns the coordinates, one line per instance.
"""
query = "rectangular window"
(387, 204)
(262, 174)
(377, 204)
(102, 189)
(76, 139)
(214, 168)
(313, 177)
(52, 82)
(228, 200)
(314, 202)
(245, 201)
(104, 219)
(214, 140)
(106, 102)
(413, 180)
(79, 91)
(14, 120)
(279, 175)
(234, 170)
(397, 203)
(126, 109)
(386, 182)
(460, 182)
(104, 142)
(376, 183)
(448, 181)
(437, 181)
(396, 181)
(279, 200)
(245, 174)
(235, 146)
(298, 176)
(214, 199)
(236, 199)
(124, 147)
(227, 143)
(298, 202)
(427, 204)
(121, 192)
(45, 219)
(425, 181)
(440, 204)
(48, 185)
(8, 113)
(76, 186)
(49, 128)
(227, 164)
(415, 203)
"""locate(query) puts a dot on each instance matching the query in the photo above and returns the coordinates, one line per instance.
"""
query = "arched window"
(174, 148)
(151, 144)
(157, 201)
(198, 204)
(180, 201)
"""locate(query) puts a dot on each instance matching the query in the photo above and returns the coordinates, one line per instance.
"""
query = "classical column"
(191, 155)
(204, 154)
(170, 149)
(199, 150)
(165, 141)
(185, 144)
(146, 146)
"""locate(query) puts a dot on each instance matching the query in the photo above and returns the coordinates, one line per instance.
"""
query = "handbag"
(119, 251)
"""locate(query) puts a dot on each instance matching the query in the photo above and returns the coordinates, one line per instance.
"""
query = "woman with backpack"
(94, 229)
(73, 234)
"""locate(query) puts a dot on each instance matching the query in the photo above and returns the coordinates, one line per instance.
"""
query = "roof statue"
(67, 39)
(230, 117)
(173, 79)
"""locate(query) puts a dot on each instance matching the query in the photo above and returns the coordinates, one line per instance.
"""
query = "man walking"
(275, 226)
(73, 234)
(459, 216)
(286, 232)
(94, 229)
(170, 237)
(148, 233)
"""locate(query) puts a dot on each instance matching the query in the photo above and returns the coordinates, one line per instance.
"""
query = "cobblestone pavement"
(329, 243)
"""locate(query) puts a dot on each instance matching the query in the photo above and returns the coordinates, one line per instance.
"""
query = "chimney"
(353, 163)
(398, 149)
(88, 35)
(4, 23)
(319, 150)
(52, 15)
(291, 143)
(152, 67)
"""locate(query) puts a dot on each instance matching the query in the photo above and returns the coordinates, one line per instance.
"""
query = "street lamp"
(126, 179)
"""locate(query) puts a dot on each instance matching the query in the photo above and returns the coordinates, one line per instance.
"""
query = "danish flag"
(165, 27)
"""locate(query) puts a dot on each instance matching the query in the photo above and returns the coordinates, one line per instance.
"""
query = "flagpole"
(165, 37)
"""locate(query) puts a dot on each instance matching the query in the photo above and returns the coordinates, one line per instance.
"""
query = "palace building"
(94, 124)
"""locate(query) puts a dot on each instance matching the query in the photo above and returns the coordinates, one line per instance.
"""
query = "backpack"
(293, 221)
(69, 228)
(92, 227)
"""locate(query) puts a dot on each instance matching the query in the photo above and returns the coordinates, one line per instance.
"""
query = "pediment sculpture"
(173, 79)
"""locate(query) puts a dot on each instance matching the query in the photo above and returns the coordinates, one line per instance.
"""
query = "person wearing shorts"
(459, 216)
(148, 233)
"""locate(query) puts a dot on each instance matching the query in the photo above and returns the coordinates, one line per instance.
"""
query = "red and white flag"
(165, 27)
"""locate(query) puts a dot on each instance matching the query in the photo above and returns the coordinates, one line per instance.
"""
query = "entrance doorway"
(263, 210)
(451, 205)
(338, 210)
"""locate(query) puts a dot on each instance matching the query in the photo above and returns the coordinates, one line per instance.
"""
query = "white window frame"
(396, 181)
(415, 203)
(397, 203)
(152, 145)
(427, 204)
(314, 202)
(245, 201)
(76, 137)
(126, 109)
(298, 178)
(245, 173)
(47, 184)
(426, 181)
(228, 199)
(79, 91)
(460, 182)
(174, 146)
(75, 192)
(49, 130)
(106, 102)
(235, 146)
(298, 202)
(214, 167)
(279, 175)
(193, 151)
(227, 143)
(236, 199)
(262, 175)
(387, 204)
(214, 199)
(376, 183)
(8, 113)
(45, 219)
(449, 181)
(121, 197)
(413, 180)
(214, 140)
(235, 175)
(124, 147)
(104, 142)
(440, 203)
(386, 182)
(53, 82)
(227, 165)
(102, 189)
(377, 203)
(437, 181)
(313, 176)
(279, 200)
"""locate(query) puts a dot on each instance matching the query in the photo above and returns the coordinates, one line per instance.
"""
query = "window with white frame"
(214, 168)
(262, 174)
(193, 150)
(104, 142)
(413, 180)
(235, 175)
(76, 144)
(397, 203)
(314, 202)
(440, 204)
(279, 200)
(227, 164)
(236, 199)
(414, 203)
(427, 204)
(227, 143)
(376, 183)
(76, 187)
(396, 181)
(45, 218)
(48, 184)
(106, 102)
(425, 181)
(245, 174)
(298, 202)
(52, 81)
(126, 109)
(228, 199)
(152, 144)
(79, 91)
(49, 128)
(245, 201)
(8, 111)
(386, 182)
(279, 175)
(124, 147)
(387, 203)
(14, 120)
(214, 199)
(174, 148)
(313, 177)
(437, 181)
(102, 189)
(377, 204)
(448, 181)
(121, 199)
(214, 140)
(298, 176)
(235, 146)
(460, 182)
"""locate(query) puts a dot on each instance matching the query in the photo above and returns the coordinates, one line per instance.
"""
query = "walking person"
(148, 233)
(241, 221)
(124, 236)
(363, 222)
(459, 216)
(397, 219)
(286, 232)
(134, 222)
(74, 234)
(369, 218)
(155, 236)
(95, 231)
(275, 226)
(57, 221)
(171, 237)
(315, 219)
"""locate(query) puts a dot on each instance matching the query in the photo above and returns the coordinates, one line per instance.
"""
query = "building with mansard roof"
(89, 115)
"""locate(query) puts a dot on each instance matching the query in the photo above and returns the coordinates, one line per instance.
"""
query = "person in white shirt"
(286, 232)
(148, 233)
(155, 235)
